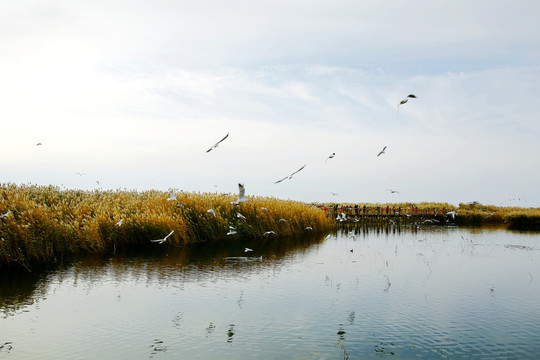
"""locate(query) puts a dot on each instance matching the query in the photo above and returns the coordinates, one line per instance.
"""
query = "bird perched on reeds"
(161, 241)
(216, 144)
(241, 195)
(410, 96)
(290, 176)
(172, 197)
(382, 151)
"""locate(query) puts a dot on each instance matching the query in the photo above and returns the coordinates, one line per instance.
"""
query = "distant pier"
(384, 214)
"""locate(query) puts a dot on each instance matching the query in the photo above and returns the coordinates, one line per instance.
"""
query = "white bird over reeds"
(290, 176)
(410, 96)
(216, 144)
(248, 250)
(161, 241)
(452, 214)
(269, 233)
(281, 220)
(240, 216)
(241, 195)
(120, 222)
(172, 196)
(309, 228)
(232, 230)
(211, 211)
(263, 208)
(382, 151)
(6, 214)
(330, 157)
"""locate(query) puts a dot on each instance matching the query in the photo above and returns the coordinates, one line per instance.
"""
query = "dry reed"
(47, 222)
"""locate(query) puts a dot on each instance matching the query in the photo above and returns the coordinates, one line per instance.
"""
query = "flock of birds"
(241, 193)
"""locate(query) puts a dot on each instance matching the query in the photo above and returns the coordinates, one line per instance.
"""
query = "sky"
(133, 93)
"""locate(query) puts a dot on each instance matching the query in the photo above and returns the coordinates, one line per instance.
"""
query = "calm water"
(431, 293)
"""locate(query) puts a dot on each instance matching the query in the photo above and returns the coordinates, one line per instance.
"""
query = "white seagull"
(281, 220)
(410, 96)
(211, 211)
(330, 157)
(290, 176)
(241, 195)
(269, 233)
(5, 215)
(173, 196)
(120, 222)
(216, 144)
(161, 241)
(309, 228)
(232, 230)
(248, 249)
(382, 151)
(240, 216)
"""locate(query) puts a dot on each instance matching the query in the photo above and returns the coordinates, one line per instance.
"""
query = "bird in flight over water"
(161, 241)
(410, 96)
(216, 144)
(393, 191)
(290, 176)
(382, 151)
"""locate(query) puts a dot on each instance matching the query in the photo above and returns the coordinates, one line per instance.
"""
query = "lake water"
(367, 293)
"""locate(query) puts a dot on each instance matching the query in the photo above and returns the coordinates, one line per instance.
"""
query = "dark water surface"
(401, 293)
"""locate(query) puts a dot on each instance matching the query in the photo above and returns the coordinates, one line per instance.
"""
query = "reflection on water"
(362, 292)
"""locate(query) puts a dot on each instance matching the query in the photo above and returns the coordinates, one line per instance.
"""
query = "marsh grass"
(48, 223)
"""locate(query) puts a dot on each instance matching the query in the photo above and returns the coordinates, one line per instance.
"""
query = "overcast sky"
(133, 93)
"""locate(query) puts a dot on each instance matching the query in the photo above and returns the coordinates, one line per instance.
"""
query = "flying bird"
(232, 230)
(248, 249)
(5, 215)
(330, 157)
(161, 241)
(39, 144)
(216, 144)
(382, 151)
(120, 222)
(281, 220)
(240, 216)
(241, 195)
(173, 196)
(211, 211)
(410, 96)
(393, 191)
(309, 228)
(290, 176)
(269, 233)
(80, 174)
